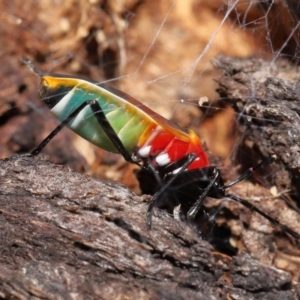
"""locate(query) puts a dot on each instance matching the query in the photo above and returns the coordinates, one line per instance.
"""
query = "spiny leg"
(65, 122)
(102, 120)
(166, 170)
(194, 210)
(264, 163)
(186, 161)
(107, 128)
(202, 223)
(44, 143)
(247, 204)
(210, 221)
(205, 223)
(269, 218)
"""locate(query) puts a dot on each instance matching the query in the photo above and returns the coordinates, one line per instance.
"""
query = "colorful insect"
(116, 122)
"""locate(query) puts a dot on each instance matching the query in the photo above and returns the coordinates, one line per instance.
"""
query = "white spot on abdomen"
(163, 159)
(75, 123)
(60, 106)
(145, 151)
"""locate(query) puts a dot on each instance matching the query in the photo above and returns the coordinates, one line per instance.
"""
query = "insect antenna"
(247, 204)
(272, 220)
(32, 67)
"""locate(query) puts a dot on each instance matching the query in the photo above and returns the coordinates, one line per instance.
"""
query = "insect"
(116, 122)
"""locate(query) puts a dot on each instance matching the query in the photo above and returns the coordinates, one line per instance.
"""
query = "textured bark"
(265, 95)
(68, 236)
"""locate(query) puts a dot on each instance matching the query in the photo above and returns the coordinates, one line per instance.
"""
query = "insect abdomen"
(138, 128)
(126, 121)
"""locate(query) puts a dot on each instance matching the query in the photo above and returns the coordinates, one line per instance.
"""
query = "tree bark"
(68, 236)
(265, 96)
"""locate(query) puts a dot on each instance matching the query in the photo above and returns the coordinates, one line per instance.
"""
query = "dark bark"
(68, 236)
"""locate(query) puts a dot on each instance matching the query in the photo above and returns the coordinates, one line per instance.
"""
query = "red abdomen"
(164, 148)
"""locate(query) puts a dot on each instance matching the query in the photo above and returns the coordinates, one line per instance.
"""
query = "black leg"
(101, 118)
(175, 165)
(166, 170)
(272, 220)
(208, 220)
(249, 172)
(44, 143)
(187, 160)
(193, 211)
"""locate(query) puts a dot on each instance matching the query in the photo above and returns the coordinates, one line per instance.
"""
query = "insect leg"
(272, 220)
(247, 204)
(207, 222)
(107, 128)
(249, 172)
(193, 211)
(188, 159)
(43, 144)
(101, 118)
